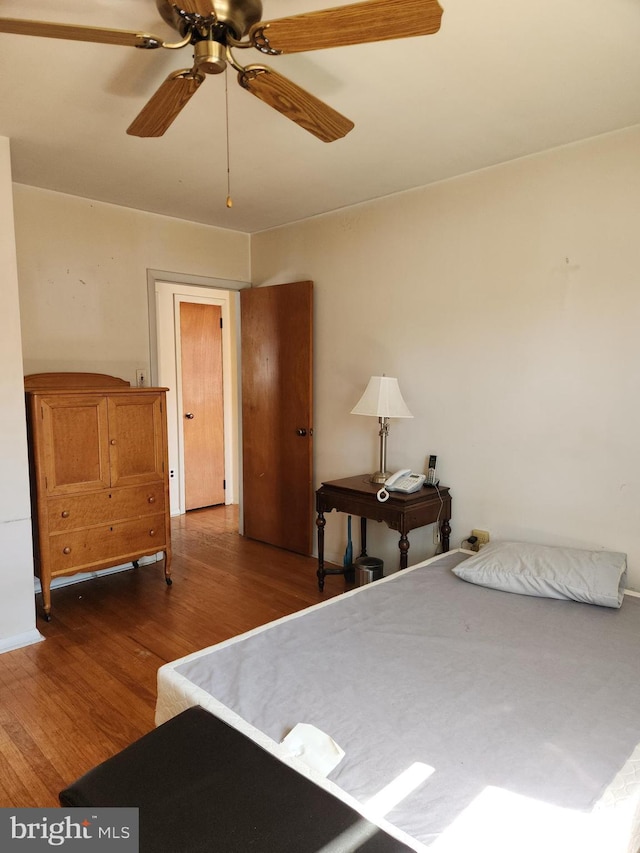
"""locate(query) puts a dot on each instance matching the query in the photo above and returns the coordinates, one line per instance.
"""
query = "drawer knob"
(151, 499)
(152, 532)
(65, 513)
(113, 441)
(66, 550)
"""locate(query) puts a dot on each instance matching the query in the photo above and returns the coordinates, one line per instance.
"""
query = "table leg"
(363, 537)
(320, 524)
(403, 544)
(445, 532)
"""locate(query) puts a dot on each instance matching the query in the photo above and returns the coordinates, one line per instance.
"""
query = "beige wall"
(17, 613)
(507, 302)
(82, 267)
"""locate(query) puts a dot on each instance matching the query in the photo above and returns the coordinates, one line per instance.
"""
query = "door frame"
(165, 291)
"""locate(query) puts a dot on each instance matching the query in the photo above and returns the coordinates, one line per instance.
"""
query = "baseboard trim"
(17, 641)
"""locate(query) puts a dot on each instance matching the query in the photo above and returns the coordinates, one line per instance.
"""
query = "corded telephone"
(402, 481)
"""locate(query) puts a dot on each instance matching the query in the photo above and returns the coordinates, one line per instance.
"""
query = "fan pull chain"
(226, 101)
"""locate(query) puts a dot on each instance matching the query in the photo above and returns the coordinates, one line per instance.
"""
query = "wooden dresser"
(99, 474)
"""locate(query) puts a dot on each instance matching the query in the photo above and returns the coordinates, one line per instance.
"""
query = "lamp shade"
(382, 399)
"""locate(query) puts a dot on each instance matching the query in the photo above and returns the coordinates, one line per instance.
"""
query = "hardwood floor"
(70, 702)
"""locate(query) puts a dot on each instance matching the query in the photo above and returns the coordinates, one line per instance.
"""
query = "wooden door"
(136, 438)
(72, 454)
(277, 448)
(202, 402)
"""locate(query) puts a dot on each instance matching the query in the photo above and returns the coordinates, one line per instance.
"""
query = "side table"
(402, 512)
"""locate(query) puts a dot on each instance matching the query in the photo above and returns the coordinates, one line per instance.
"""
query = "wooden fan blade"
(375, 20)
(128, 38)
(199, 7)
(163, 107)
(295, 103)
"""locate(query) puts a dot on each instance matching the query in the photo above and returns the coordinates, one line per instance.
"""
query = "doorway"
(166, 294)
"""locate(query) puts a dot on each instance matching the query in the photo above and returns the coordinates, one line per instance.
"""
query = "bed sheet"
(518, 717)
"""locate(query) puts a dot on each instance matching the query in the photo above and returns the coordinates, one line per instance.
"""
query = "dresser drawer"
(74, 512)
(123, 540)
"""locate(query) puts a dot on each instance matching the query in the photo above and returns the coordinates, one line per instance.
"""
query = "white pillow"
(594, 577)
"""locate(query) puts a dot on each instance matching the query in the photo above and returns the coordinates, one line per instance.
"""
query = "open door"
(277, 444)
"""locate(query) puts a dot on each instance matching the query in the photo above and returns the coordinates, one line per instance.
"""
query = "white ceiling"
(502, 79)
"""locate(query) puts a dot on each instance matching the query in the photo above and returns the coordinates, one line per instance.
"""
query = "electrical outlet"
(141, 378)
(482, 536)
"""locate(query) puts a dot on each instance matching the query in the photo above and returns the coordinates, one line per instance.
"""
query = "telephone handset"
(431, 472)
(402, 481)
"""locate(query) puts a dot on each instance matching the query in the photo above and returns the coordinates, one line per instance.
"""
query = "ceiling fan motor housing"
(238, 15)
(210, 56)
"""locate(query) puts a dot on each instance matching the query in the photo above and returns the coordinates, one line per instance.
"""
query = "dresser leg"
(46, 606)
(167, 568)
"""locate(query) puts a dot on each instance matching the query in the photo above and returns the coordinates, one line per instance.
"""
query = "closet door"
(72, 450)
(136, 438)
(202, 401)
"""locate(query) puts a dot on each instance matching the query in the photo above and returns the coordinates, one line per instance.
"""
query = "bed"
(472, 716)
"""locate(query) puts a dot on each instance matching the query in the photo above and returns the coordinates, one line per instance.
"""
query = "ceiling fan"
(214, 28)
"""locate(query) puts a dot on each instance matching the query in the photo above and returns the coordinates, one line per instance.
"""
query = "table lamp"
(382, 399)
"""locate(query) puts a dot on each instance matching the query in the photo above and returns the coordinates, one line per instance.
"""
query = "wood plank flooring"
(70, 702)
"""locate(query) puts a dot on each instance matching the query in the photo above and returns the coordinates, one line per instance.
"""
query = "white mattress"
(582, 795)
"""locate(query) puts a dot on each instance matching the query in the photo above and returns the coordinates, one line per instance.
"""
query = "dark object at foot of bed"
(201, 785)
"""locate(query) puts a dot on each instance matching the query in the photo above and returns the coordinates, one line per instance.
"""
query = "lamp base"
(380, 477)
